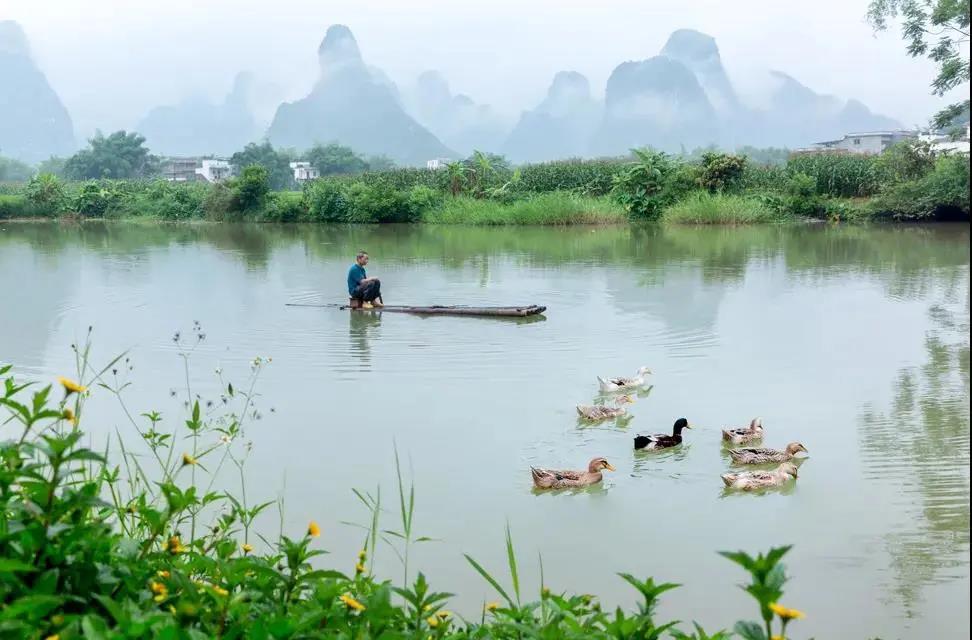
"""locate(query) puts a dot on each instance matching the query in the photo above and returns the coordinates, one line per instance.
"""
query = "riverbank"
(905, 184)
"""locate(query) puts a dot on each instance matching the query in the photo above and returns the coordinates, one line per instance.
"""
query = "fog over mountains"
(680, 99)
(33, 122)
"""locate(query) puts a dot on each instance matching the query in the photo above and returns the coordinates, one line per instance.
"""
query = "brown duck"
(567, 479)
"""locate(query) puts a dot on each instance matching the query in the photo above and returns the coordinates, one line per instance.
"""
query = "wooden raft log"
(511, 312)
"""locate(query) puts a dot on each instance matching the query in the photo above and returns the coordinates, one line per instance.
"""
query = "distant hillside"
(352, 106)
(33, 122)
(656, 102)
(560, 126)
(461, 123)
(199, 127)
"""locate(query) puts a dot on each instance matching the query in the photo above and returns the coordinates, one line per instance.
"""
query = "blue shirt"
(355, 275)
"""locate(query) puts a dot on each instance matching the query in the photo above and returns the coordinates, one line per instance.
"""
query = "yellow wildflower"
(785, 613)
(351, 602)
(362, 555)
(492, 606)
(162, 574)
(433, 621)
(68, 415)
(777, 637)
(359, 568)
(160, 591)
(174, 545)
(220, 591)
(247, 547)
(70, 386)
(313, 530)
(53, 637)
(187, 459)
(443, 614)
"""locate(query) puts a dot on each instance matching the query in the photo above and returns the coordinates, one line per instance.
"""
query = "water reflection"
(363, 326)
(922, 445)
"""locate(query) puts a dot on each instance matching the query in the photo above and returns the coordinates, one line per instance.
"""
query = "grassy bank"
(905, 183)
(147, 547)
(718, 208)
(557, 208)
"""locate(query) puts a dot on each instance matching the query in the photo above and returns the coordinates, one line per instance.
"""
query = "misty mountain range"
(680, 99)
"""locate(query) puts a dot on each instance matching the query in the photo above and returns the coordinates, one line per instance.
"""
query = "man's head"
(362, 258)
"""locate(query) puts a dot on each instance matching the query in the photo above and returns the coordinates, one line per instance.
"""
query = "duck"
(743, 435)
(598, 412)
(662, 440)
(568, 479)
(750, 480)
(755, 455)
(620, 384)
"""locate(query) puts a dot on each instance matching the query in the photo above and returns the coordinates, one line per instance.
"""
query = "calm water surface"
(853, 341)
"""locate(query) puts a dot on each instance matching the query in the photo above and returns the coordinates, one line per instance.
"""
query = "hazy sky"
(112, 60)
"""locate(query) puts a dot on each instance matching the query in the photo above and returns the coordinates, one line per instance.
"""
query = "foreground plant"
(97, 545)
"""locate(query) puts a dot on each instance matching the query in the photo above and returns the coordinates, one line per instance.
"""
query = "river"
(853, 341)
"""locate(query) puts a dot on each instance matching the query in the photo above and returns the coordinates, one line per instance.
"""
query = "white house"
(941, 143)
(437, 163)
(303, 171)
(874, 142)
(213, 170)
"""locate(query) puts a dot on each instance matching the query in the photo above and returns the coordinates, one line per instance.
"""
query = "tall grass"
(558, 208)
(847, 175)
(719, 208)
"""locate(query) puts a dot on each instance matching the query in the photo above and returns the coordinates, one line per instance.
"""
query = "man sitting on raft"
(365, 292)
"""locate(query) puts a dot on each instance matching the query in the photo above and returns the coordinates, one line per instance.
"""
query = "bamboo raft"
(455, 310)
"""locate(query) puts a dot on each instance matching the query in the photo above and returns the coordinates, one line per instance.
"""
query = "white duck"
(622, 384)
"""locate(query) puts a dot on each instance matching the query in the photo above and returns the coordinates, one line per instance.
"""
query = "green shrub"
(95, 198)
(175, 202)
(252, 187)
(378, 202)
(720, 171)
(906, 160)
(286, 206)
(46, 193)
(220, 202)
(801, 196)
(421, 199)
(648, 185)
(721, 208)
(943, 192)
(842, 210)
(326, 201)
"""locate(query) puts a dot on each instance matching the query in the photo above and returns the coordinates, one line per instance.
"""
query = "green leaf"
(750, 630)
(490, 580)
(32, 606)
(9, 565)
(511, 561)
